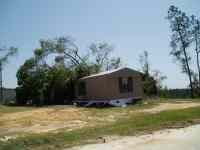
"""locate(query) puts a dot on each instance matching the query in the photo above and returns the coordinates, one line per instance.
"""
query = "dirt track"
(174, 139)
(69, 117)
(170, 106)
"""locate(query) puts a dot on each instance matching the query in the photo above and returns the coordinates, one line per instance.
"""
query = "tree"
(65, 47)
(114, 63)
(159, 78)
(7, 53)
(31, 81)
(196, 39)
(59, 85)
(148, 82)
(24, 91)
(144, 61)
(101, 53)
(180, 40)
(46, 85)
(151, 80)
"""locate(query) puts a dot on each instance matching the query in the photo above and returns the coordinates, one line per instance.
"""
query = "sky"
(130, 26)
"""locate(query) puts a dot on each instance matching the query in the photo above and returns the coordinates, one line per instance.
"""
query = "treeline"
(9, 95)
(174, 93)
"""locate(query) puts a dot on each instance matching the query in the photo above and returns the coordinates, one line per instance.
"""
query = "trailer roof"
(108, 72)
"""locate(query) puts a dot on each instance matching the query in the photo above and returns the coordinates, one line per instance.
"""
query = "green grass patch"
(12, 109)
(141, 123)
(98, 112)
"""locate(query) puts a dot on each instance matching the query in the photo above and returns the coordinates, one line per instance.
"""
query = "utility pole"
(1, 85)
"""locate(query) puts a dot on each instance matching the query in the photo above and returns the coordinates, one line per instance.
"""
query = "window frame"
(125, 84)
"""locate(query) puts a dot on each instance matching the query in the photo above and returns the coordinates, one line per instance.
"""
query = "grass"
(13, 109)
(163, 99)
(140, 104)
(100, 112)
(134, 124)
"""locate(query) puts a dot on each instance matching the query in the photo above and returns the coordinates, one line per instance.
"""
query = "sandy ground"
(44, 119)
(70, 117)
(173, 139)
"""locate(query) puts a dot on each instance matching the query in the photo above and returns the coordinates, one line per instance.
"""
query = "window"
(125, 85)
(82, 89)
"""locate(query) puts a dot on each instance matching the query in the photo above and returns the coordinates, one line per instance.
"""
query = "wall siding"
(106, 87)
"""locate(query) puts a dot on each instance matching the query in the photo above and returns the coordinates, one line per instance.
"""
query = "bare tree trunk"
(189, 74)
(197, 56)
(197, 52)
(187, 65)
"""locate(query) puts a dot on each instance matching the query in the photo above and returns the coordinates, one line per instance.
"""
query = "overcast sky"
(130, 26)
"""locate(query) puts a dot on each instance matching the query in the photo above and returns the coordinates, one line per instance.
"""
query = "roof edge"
(107, 72)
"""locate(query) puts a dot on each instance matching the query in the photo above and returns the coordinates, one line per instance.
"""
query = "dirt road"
(174, 139)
